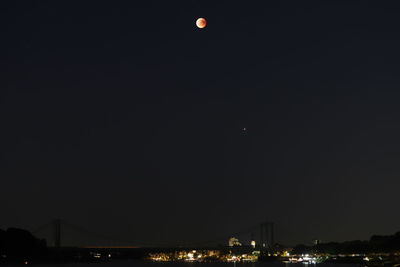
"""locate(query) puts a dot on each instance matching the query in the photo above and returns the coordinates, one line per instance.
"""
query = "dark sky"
(123, 117)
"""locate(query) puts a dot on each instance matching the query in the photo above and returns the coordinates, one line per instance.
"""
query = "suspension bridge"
(59, 233)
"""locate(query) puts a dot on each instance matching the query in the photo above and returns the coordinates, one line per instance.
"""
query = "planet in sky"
(201, 23)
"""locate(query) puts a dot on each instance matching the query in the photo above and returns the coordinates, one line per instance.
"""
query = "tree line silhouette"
(18, 244)
(376, 244)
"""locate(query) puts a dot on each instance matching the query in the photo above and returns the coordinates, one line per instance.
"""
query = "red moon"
(201, 23)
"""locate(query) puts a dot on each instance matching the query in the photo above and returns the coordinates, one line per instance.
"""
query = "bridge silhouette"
(56, 231)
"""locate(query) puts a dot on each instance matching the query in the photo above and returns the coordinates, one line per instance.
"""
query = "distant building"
(233, 242)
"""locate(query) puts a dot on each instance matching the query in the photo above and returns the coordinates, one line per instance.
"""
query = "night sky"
(124, 118)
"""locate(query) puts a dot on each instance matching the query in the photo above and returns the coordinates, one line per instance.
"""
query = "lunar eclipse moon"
(201, 23)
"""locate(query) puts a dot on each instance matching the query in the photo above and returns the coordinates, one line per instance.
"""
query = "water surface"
(137, 263)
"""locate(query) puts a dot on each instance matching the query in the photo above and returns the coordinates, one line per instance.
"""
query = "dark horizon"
(127, 119)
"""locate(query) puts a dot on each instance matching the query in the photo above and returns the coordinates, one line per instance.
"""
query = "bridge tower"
(267, 236)
(57, 233)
